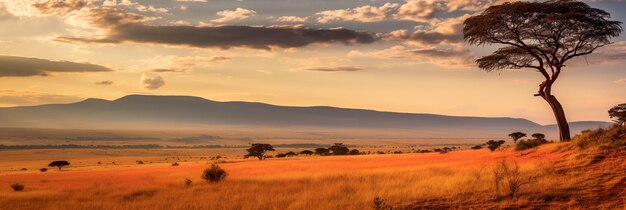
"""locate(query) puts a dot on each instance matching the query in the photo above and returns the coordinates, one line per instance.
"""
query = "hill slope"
(177, 111)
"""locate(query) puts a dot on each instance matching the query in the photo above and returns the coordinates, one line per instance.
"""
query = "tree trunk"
(559, 114)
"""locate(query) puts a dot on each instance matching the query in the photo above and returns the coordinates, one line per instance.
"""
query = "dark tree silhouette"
(258, 150)
(290, 154)
(214, 174)
(59, 163)
(618, 113)
(355, 152)
(539, 136)
(494, 144)
(306, 152)
(339, 149)
(321, 151)
(541, 36)
(516, 136)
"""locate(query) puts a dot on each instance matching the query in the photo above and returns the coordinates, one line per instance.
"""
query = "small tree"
(538, 136)
(516, 136)
(321, 151)
(307, 152)
(59, 163)
(339, 149)
(355, 152)
(618, 113)
(494, 144)
(214, 174)
(258, 150)
(17, 187)
(290, 154)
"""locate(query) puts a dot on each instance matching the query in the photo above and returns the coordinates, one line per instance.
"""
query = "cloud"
(60, 7)
(172, 64)
(365, 13)
(620, 81)
(445, 31)
(14, 66)
(335, 69)
(224, 37)
(233, 15)
(291, 19)
(152, 81)
(448, 56)
(105, 82)
(28, 98)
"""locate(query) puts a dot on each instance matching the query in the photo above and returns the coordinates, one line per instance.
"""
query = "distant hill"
(144, 111)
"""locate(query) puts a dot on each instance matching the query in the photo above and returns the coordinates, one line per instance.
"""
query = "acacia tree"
(618, 113)
(542, 36)
(516, 136)
(59, 163)
(258, 150)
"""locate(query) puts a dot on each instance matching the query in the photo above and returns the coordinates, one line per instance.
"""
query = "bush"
(214, 174)
(175, 164)
(380, 204)
(531, 143)
(477, 147)
(188, 182)
(494, 144)
(24, 169)
(280, 155)
(43, 169)
(17, 187)
(614, 137)
(354, 152)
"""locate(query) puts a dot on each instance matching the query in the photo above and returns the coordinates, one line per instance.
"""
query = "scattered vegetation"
(530, 143)
(43, 169)
(476, 147)
(307, 152)
(339, 149)
(214, 174)
(17, 187)
(175, 164)
(509, 179)
(59, 163)
(494, 144)
(258, 150)
(380, 204)
(606, 139)
(516, 136)
(322, 151)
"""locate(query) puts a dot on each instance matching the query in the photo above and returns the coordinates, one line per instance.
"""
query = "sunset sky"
(404, 56)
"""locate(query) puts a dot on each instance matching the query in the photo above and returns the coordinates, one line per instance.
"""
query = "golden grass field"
(562, 178)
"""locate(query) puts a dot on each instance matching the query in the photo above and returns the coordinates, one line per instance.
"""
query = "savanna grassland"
(583, 174)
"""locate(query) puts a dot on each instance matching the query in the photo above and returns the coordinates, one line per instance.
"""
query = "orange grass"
(346, 182)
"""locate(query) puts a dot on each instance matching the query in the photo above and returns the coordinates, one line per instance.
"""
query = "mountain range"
(158, 112)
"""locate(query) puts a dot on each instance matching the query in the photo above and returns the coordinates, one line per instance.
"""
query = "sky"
(401, 56)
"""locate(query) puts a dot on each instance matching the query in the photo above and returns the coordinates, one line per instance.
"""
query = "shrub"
(509, 179)
(214, 174)
(43, 169)
(188, 182)
(494, 144)
(614, 137)
(280, 155)
(290, 154)
(24, 169)
(477, 147)
(531, 143)
(17, 187)
(307, 152)
(139, 162)
(175, 164)
(354, 152)
(339, 149)
(380, 204)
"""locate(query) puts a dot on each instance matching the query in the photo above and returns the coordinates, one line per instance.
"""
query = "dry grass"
(452, 180)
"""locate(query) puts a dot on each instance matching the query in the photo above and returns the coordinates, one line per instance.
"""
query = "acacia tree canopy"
(618, 113)
(541, 36)
(258, 150)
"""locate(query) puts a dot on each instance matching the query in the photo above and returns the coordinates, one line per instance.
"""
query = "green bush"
(214, 174)
(531, 143)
